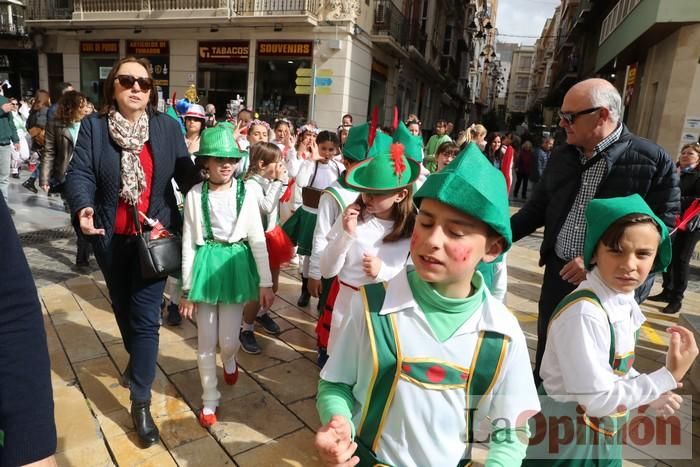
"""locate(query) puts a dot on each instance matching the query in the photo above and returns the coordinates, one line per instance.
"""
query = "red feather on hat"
(373, 124)
(397, 157)
(395, 121)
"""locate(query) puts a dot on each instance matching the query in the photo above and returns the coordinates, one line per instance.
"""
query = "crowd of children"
(418, 351)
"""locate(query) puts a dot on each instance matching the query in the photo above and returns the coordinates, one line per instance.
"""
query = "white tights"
(222, 323)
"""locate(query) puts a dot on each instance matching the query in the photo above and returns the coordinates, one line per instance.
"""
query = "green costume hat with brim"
(602, 213)
(413, 145)
(356, 145)
(218, 141)
(387, 170)
(473, 186)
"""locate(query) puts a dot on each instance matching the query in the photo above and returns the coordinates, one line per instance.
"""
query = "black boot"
(144, 425)
(305, 295)
(29, 184)
(125, 378)
(672, 308)
(664, 296)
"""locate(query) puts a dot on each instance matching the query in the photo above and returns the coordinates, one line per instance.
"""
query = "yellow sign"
(303, 71)
(324, 73)
(307, 90)
(320, 90)
(303, 81)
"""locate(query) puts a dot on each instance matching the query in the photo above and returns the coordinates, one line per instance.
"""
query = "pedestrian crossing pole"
(313, 92)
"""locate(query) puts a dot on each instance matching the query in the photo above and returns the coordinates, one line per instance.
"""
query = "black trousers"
(553, 291)
(676, 278)
(523, 179)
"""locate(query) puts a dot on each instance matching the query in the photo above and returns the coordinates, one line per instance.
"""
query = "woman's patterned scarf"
(130, 137)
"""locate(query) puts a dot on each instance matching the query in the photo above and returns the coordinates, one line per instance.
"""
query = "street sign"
(323, 82)
(303, 81)
(303, 71)
(307, 90)
(326, 72)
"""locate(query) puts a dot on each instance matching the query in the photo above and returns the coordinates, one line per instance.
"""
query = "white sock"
(248, 327)
(209, 410)
(262, 311)
(230, 367)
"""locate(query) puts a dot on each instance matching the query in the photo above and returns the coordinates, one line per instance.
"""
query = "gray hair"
(608, 97)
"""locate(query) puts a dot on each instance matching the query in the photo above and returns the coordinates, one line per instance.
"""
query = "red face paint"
(459, 252)
(414, 240)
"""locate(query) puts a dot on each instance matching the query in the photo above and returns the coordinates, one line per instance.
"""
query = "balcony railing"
(11, 29)
(616, 16)
(416, 37)
(389, 21)
(64, 9)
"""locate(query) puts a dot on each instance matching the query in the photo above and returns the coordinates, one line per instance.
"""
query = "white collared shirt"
(575, 365)
(425, 427)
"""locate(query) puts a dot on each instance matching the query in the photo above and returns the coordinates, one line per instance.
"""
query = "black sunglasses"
(128, 81)
(570, 117)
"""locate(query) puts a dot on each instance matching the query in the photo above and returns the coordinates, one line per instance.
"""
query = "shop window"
(275, 89)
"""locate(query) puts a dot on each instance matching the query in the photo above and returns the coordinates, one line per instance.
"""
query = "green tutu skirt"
(300, 229)
(224, 273)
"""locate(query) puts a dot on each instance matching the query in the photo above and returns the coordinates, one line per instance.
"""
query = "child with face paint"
(587, 368)
(369, 241)
(425, 357)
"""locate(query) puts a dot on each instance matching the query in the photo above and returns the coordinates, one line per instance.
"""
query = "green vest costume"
(596, 442)
(390, 365)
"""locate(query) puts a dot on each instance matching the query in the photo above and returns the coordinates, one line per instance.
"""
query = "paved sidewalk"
(267, 419)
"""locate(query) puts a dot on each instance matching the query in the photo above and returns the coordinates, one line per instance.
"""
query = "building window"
(520, 103)
(525, 63)
(222, 74)
(522, 83)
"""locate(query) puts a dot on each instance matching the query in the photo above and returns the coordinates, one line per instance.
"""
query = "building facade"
(18, 59)
(413, 54)
(519, 80)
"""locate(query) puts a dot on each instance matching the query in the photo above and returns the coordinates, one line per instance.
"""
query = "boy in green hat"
(587, 364)
(426, 356)
(224, 262)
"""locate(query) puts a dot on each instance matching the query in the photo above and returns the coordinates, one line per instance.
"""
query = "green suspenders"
(389, 366)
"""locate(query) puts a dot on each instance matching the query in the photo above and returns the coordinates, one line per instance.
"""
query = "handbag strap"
(137, 223)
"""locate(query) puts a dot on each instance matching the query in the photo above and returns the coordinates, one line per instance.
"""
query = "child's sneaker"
(173, 317)
(206, 420)
(248, 342)
(268, 324)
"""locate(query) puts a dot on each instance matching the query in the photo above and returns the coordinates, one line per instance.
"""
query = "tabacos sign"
(224, 51)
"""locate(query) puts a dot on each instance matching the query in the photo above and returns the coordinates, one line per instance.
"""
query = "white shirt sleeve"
(342, 365)
(292, 162)
(387, 272)
(306, 171)
(266, 202)
(499, 285)
(256, 239)
(581, 342)
(338, 245)
(189, 244)
(328, 212)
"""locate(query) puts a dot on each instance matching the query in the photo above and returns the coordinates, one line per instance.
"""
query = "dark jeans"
(520, 178)
(553, 291)
(136, 304)
(676, 278)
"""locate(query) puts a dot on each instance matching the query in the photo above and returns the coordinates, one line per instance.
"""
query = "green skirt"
(300, 229)
(224, 273)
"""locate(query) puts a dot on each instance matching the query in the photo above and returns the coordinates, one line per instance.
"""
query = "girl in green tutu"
(224, 262)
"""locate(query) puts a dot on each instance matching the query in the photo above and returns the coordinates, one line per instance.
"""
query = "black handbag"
(158, 257)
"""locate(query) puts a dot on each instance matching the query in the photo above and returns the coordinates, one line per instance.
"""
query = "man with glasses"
(601, 159)
(8, 139)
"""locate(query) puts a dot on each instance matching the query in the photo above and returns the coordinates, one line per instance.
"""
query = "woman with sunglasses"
(123, 162)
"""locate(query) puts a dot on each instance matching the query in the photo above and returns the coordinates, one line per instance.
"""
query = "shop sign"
(224, 51)
(285, 49)
(147, 48)
(99, 47)
(630, 79)
(160, 70)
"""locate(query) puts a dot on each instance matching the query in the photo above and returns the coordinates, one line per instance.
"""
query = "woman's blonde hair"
(470, 133)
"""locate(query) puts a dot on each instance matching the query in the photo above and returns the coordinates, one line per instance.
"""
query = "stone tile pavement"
(267, 419)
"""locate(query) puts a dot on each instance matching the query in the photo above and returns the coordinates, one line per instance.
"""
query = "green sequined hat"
(386, 170)
(472, 185)
(218, 141)
(602, 213)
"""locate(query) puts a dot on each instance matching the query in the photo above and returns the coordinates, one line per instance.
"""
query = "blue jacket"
(93, 176)
(539, 164)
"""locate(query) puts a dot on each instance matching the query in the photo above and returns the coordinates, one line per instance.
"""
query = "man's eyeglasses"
(570, 117)
(128, 81)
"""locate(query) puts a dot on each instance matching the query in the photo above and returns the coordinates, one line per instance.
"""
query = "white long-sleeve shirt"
(344, 253)
(575, 365)
(267, 195)
(325, 175)
(245, 225)
(329, 210)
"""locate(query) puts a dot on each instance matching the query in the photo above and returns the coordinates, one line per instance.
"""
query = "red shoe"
(206, 420)
(231, 378)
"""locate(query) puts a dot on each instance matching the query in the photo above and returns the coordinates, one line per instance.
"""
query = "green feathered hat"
(472, 185)
(356, 145)
(386, 170)
(218, 141)
(602, 213)
(413, 145)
